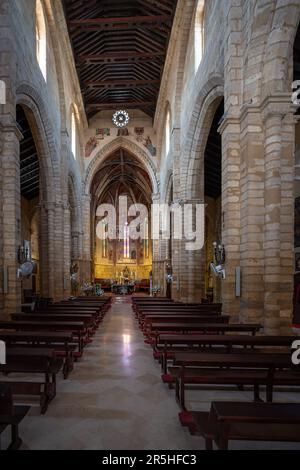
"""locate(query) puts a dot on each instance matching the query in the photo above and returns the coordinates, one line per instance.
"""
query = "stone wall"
(47, 105)
(247, 60)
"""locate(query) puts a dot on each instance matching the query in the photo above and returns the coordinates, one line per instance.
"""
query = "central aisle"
(114, 398)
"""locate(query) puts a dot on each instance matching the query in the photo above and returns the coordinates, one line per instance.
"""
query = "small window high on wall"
(199, 34)
(73, 134)
(41, 38)
(126, 241)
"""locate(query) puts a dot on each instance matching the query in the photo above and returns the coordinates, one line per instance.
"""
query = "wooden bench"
(33, 361)
(80, 333)
(168, 345)
(235, 369)
(227, 421)
(171, 309)
(11, 415)
(60, 342)
(203, 328)
(211, 327)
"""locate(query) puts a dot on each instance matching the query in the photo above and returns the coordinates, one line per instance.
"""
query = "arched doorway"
(29, 243)
(116, 260)
(213, 201)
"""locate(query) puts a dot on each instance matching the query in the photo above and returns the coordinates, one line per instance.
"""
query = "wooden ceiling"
(121, 173)
(120, 48)
(29, 162)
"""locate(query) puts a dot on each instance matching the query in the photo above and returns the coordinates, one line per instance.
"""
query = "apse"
(121, 175)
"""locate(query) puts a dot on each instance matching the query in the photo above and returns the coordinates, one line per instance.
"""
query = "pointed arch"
(113, 146)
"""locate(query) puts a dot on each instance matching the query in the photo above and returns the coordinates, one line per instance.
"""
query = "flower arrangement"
(155, 290)
(87, 288)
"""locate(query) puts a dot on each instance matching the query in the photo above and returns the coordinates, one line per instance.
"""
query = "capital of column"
(156, 197)
(11, 127)
(192, 201)
(86, 198)
(279, 105)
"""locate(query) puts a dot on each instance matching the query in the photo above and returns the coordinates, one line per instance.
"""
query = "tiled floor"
(114, 399)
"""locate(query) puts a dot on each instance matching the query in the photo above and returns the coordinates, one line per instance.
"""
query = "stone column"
(231, 223)
(279, 213)
(50, 262)
(86, 217)
(68, 245)
(178, 193)
(192, 267)
(231, 154)
(252, 215)
(156, 264)
(11, 212)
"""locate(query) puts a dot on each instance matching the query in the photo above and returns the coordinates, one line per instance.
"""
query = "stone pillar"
(192, 267)
(50, 272)
(252, 169)
(57, 264)
(156, 264)
(11, 211)
(231, 223)
(87, 227)
(231, 154)
(279, 213)
(178, 193)
(68, 248)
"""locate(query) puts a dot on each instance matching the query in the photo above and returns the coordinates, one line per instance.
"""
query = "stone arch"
(41, 128)
(42, 133)
(272, 32)
(278, 56)
(192, 165)
(111, 147)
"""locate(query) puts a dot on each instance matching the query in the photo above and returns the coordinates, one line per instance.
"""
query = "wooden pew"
(179, 318)
(168, 345)
(11, 415)
(96, 316)
(234, 369)
(77, 328)
(87, 320)
(60, 342)
(169, 313)
(227, 421)
(201, 328)
(33, 361)
(165, 309)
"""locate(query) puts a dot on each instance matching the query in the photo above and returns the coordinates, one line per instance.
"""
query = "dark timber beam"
(120, 56)
(120, 83)
(120, 104)
(116, 22)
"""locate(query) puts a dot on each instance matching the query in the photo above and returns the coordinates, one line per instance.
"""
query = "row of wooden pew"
(197, 345)
(40, 345)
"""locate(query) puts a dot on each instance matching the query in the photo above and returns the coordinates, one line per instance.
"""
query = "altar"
(123, 289)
